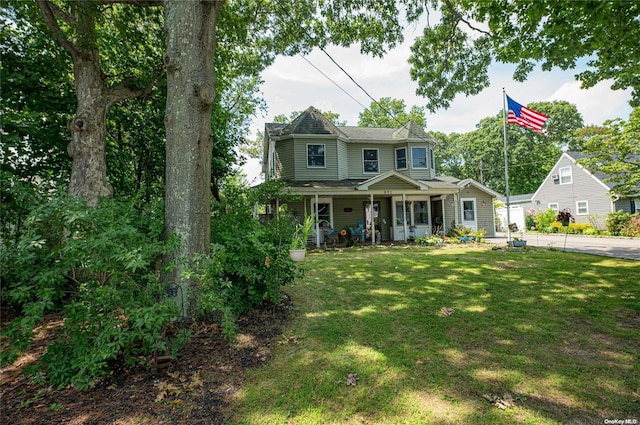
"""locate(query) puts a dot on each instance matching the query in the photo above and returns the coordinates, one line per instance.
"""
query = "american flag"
(525, 117)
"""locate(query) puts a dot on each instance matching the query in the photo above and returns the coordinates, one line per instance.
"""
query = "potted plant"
(517, 242)
(298, 246)
(564, 217)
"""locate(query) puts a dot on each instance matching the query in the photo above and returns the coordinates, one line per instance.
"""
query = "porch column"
(317, 224)
(373, 221)
(456, 207)
(404, 216)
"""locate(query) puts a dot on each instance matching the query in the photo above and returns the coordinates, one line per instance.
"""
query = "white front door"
(469, 213)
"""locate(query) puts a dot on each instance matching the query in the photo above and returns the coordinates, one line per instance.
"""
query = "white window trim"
(475, 212)
(377, 160)
(432, 159)
(578, 208)
(325, 155)
(324, 201)
(557, 208)
(426, 157)
(570, 175)
(406, 159)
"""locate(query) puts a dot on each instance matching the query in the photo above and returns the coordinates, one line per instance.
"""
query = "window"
(554, 206)
(401, 159)
(324, 213)
(400, 218)
(468, 210)
(419, 157)
(370, 160)
(420, 213)
(636, 206)
(565, 175)
(582, 207)
(315, 155)
(433, 163)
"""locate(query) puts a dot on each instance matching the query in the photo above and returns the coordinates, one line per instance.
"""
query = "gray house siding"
(305, 173)
(485, 219)
(343, 156)
(285, 166)
(583, 188)
(386, 159)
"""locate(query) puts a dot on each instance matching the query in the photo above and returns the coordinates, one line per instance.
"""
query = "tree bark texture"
(88, 130)
(190, 28)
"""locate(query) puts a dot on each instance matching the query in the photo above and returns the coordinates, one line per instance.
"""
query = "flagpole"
(506, 163)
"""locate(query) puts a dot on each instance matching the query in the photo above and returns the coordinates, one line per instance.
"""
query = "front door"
(469, 213)
(372, 219)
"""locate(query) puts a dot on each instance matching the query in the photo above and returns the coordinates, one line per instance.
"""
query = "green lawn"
(555, 335)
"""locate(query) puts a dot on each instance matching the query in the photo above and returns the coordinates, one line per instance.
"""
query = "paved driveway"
(628, 248)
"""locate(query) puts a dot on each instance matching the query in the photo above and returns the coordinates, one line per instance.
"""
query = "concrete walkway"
(619, 247)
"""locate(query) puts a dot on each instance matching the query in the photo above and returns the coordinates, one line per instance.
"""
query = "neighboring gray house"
(367, 179)
(586, 195)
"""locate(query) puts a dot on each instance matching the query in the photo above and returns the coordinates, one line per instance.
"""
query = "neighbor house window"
(419, 157)
(433, 163)
(565, 175)
(554, 206)
(401, 159)
(582, 207)
(468, 211)
(315, 155)
(370, 160)
(403, 217)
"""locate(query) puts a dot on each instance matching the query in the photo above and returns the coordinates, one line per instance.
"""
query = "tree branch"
(49, 12)
(459, 16)
(139, 3)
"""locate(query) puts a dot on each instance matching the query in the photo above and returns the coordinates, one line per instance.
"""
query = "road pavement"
(619, 247)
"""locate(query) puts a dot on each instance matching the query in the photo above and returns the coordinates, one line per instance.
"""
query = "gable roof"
(312, 121)
(392, 174)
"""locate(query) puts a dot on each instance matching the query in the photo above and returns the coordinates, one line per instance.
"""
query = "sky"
(292, 84)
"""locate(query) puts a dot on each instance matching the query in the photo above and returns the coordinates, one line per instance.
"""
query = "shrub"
(98, 266)
(556, 227)
(616, 221)
(578, 228)
(544, 219)
(530, 219)
(632, 228)
(590, 231)
(250, 262)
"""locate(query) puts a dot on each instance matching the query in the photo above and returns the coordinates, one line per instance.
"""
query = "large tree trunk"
(190, 35)
(88, 129)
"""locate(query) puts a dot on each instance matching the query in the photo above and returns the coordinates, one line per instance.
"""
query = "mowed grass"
(555, 334)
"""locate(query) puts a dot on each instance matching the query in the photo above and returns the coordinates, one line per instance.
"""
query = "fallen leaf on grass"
(446, 311)
(505, 402)
(352, 379)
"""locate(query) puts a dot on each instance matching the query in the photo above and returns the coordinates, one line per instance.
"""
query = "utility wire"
(306, 33)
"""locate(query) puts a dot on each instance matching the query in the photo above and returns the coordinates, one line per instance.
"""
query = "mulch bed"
(196, 388)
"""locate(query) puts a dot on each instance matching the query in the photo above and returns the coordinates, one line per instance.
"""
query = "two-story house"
(585, 194)
(379, 181)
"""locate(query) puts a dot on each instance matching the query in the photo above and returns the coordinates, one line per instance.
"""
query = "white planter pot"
(297, 254)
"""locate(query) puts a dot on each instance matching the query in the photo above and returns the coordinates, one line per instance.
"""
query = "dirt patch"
(194, 389)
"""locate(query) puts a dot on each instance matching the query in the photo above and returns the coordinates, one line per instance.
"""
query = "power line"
(306, 33)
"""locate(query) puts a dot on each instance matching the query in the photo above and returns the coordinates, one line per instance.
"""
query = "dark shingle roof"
(312, 121)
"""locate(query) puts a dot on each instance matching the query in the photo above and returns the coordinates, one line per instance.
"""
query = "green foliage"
(623, 224)
(544, 219)
(390, 113)
(98, 266)
(453, 56)
(302, 232)
(250, 261)
(615, 151)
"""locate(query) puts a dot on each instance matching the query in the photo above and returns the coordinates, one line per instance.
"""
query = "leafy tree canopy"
(391, 113)
(453, 56)
(616, 152)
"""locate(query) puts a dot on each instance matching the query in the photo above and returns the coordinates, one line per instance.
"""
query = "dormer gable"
(411, 130)
(311, 121)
